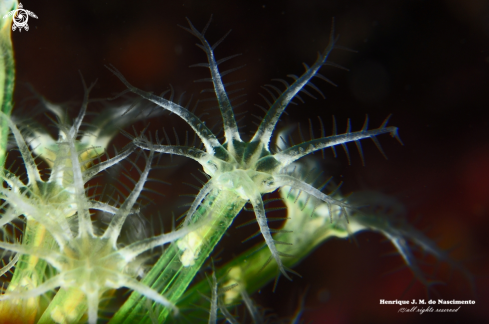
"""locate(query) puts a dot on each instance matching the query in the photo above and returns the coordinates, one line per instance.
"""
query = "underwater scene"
(237, 162)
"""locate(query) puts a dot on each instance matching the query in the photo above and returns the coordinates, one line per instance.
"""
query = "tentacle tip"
(395, 134)
(284, 271)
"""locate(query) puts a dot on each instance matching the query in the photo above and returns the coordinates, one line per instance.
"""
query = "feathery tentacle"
(229, 122)
(291, 154)
(267, 126)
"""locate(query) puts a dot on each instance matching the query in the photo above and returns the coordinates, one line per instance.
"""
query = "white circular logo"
(20, 17)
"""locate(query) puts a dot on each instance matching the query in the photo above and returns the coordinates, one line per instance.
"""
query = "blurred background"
(425, 62)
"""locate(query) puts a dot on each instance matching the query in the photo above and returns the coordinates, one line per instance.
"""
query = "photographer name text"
(425, 306)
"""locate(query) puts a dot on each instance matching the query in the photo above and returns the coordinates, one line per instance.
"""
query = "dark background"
(426, 62)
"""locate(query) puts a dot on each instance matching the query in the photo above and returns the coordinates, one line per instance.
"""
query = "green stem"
(305, 229)
(252, 274)
(7, 77)
(169, 276)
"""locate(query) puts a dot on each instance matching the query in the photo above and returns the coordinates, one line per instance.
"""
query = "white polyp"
(248, 169)
(88, 262)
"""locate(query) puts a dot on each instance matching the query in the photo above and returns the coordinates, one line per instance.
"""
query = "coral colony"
(65, 263)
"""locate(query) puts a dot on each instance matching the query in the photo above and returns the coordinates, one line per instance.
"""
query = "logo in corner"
(20, 17)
